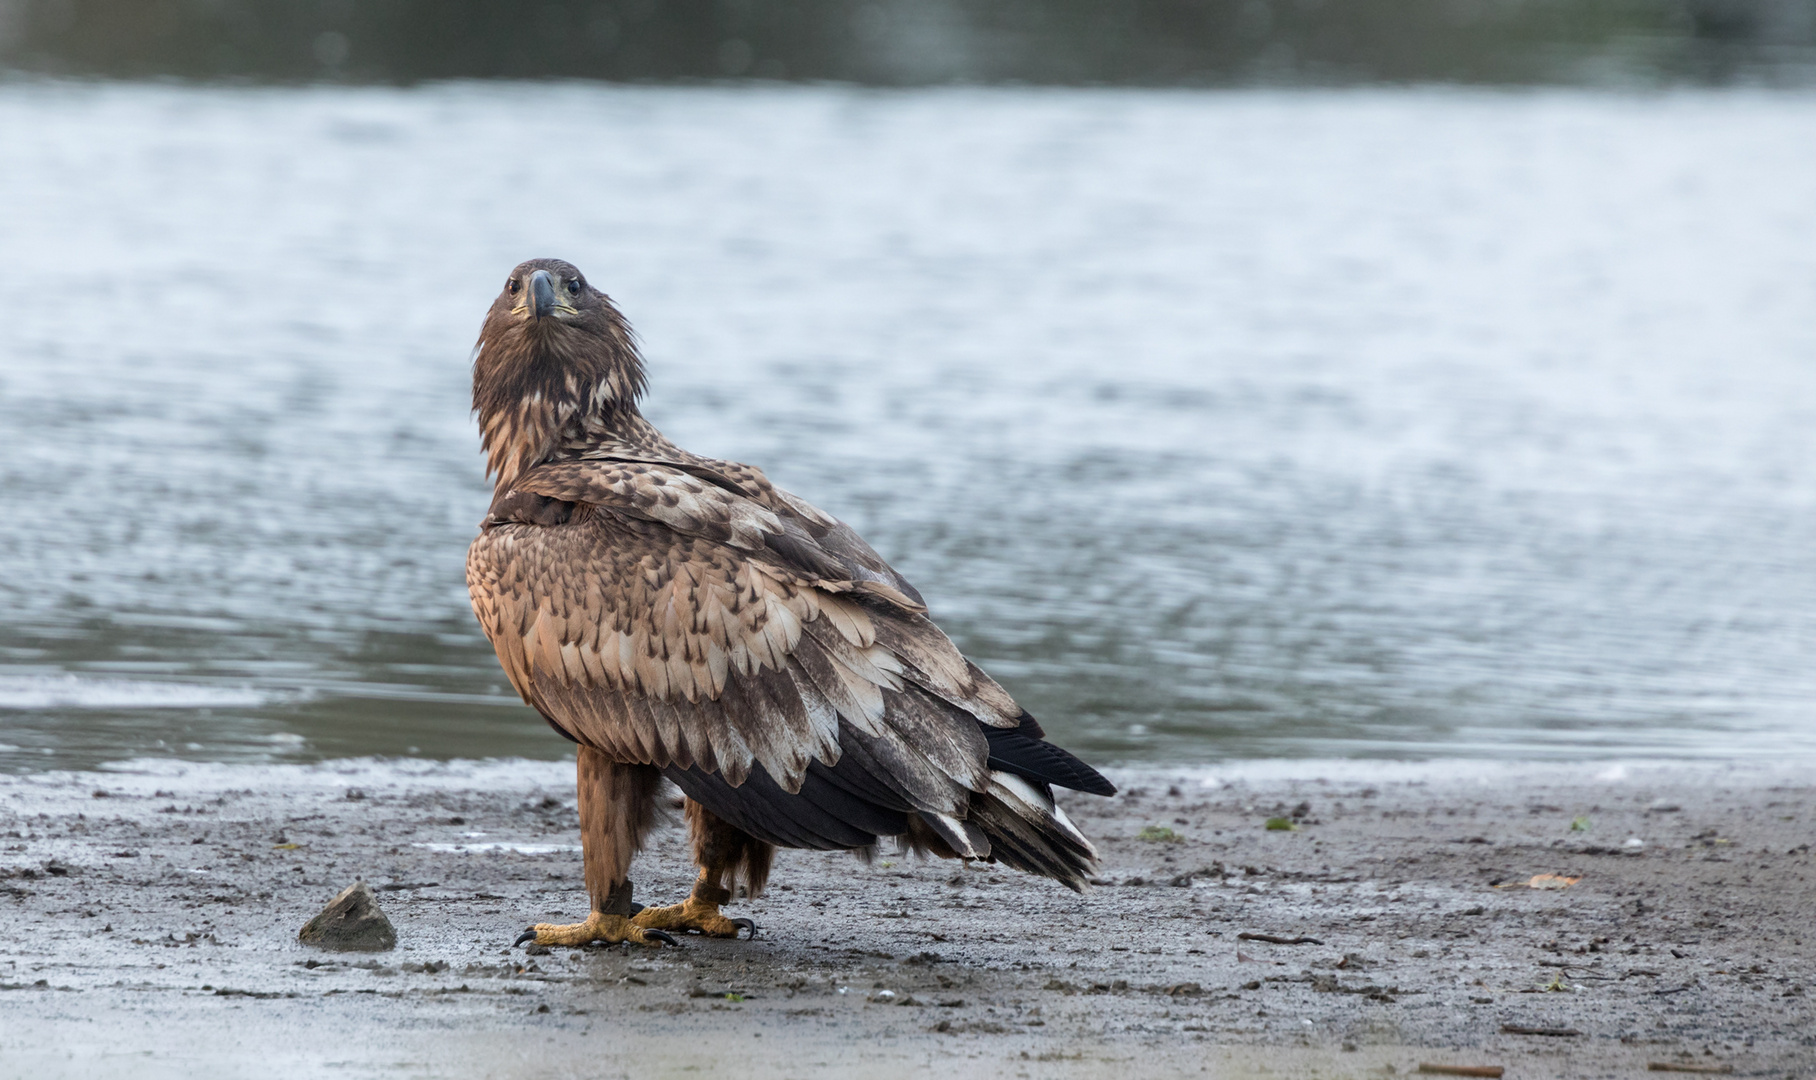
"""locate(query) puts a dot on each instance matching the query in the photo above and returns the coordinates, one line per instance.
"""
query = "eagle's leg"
(616, 805)
(725, 854)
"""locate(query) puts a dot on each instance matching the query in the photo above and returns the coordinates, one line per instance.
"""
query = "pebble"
(352, 922)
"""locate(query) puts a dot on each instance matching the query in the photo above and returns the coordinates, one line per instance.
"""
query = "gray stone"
(351, 923)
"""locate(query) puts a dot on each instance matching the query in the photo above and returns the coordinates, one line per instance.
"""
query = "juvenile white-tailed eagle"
(682, 617)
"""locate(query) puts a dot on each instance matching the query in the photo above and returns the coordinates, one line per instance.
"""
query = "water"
(925, 42)
(1351, 423)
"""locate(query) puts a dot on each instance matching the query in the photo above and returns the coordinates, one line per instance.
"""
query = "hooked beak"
(541, 289)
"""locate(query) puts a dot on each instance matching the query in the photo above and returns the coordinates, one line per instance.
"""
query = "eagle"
(680, 617)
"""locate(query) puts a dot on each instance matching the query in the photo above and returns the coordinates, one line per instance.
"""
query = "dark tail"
(1028, 831)
(1019, 823)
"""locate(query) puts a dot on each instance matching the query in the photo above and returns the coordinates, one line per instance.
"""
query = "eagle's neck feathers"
(546, 396)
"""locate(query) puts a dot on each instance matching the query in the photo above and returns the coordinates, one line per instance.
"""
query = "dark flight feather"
(1022, 751)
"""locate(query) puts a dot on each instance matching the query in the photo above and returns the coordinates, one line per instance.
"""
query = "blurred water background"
(1344, 421)
(914, 42)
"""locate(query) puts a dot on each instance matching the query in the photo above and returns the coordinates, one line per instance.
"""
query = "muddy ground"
(149, 918)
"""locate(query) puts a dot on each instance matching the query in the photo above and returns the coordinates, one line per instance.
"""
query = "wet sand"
(150, 918)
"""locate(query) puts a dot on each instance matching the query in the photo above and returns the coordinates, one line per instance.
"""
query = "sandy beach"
(150, 916)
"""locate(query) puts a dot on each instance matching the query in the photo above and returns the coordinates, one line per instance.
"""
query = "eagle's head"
(553, 349)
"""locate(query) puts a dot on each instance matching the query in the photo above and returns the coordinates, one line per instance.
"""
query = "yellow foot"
(597, 927)
(692, 914)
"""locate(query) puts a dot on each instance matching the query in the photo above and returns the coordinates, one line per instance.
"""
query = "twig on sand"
(1276, 939)
(1672, 1066)
(1580, 970)
(1522, 1029)
(1461, 1070)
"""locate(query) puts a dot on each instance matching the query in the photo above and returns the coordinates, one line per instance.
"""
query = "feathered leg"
(617, 803)
(725, 854)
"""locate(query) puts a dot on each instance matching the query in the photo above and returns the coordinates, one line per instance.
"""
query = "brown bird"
(678, 616)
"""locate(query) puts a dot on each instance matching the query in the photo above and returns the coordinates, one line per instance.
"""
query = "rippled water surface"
(1408, 423)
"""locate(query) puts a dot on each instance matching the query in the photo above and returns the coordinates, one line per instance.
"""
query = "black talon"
(527, 935)
(748, 925)
(662, 936)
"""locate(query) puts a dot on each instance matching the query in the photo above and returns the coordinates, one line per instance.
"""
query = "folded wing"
(743, 640)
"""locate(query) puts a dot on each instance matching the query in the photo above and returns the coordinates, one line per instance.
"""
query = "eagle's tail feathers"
(966, 840)
(1028, 831)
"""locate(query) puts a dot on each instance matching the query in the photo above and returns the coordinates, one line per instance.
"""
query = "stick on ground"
(1672, 1066)
(1276, 939)
(1461, 1070)
(1522, 1029)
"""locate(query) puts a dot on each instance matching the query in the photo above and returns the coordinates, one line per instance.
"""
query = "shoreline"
(154, 923)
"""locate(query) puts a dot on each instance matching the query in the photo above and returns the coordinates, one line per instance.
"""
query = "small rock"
(351, 922)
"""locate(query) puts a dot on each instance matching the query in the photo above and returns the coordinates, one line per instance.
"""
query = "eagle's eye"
(573, 286)
(511, 286)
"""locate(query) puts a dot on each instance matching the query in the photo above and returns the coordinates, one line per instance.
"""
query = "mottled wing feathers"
(787, 530)
(671, 621)
(832, 536)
